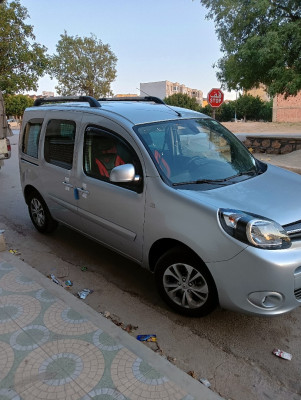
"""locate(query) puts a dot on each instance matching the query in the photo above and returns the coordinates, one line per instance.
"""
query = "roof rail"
(87, 99)
(138, 98)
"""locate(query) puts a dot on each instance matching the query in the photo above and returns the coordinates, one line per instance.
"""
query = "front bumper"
(256, 281)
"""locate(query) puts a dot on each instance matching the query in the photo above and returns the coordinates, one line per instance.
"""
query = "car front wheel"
(185, 283)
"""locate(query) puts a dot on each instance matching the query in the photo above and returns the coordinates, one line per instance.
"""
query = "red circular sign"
(215, 97)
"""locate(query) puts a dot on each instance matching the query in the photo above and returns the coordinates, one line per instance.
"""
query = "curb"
(297, 170)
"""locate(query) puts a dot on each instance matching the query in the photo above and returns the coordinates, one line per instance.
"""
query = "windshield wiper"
(251, 171)
(199, 181)
(215, 181)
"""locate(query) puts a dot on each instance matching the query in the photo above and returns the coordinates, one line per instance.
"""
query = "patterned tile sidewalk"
(49, 349)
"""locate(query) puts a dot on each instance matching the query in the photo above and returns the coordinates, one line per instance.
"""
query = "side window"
(103, 151)
(59, 143)
(31, 137)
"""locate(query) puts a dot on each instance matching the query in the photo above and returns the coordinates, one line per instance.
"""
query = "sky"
(153, 40)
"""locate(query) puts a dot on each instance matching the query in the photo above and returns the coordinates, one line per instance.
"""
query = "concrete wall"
(287, 110)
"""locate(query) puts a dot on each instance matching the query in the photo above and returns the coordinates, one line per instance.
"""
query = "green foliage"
(16, 104)
(182, 100)
(83, 66)
(246, 107)
(225, 112)
(261, 40)
(206, 110)
(249, 106)
(266, 111)
(22, 61)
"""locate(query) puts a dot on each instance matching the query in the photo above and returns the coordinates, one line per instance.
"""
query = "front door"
(111, 213)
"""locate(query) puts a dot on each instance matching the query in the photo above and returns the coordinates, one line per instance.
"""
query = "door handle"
(67, 184)
(81, 190)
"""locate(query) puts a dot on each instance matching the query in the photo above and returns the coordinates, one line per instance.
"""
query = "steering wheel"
(196, 162)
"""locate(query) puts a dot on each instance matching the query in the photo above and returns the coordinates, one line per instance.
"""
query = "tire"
(39, 214)
(185, 283)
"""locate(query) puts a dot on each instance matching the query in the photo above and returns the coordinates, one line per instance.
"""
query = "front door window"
(104, 151)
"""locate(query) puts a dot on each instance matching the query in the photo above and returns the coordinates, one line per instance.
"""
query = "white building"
(47, 94)
(164, 89)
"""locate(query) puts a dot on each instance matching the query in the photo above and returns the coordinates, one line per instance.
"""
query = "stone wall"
(272, 145)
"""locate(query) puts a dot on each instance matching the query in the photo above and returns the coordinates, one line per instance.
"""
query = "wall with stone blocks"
(279, 145)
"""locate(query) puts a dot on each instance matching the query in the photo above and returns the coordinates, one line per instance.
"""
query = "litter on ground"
(282, 354)
(84, 293)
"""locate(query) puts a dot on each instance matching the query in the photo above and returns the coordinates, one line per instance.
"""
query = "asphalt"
(54, 346)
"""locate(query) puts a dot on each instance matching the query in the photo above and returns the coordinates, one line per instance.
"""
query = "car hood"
(275, 194)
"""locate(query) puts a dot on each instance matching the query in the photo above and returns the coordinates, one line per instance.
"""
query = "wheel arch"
(174, 291)
(161, 246)
(27, 192)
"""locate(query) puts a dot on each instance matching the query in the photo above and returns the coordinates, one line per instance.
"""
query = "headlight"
(254, 229)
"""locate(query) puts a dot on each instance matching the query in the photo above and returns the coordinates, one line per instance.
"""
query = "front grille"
(293, 230)
(297, 293)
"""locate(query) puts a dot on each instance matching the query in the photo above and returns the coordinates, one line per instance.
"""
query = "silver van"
(172, 190)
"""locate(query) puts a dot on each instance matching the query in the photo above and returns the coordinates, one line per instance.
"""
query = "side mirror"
(124, 173)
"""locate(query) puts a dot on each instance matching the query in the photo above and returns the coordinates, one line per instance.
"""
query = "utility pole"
(4, 129)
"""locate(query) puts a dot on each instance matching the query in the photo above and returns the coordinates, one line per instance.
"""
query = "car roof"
(136, 112)
(140, 113)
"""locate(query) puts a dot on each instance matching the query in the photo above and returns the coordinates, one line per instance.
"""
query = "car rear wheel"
(185, 283)
(39, 214)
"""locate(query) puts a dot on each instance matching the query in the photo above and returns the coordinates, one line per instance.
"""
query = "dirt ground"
(267, 127)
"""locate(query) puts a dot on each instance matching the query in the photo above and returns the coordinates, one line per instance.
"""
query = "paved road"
(232, 351)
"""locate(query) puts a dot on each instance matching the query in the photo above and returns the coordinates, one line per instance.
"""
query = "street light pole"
(235, 119)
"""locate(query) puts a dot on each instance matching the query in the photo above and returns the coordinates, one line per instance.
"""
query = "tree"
(83, 66)
(266, 112)
(182, 100)
(22, 61)
(261, 41)
(207, 110)
(246, 106)
(249, 106)
(15, 105)
(225, 112)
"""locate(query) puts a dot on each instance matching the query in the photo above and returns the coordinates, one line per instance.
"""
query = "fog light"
(266, 300)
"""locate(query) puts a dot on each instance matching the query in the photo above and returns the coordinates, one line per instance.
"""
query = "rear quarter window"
(31, 138)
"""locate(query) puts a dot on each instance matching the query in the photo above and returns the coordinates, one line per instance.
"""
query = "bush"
(182, 100)
(245, 107)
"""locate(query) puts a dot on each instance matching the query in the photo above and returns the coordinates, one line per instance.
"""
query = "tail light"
(5, 149)
(8, 145)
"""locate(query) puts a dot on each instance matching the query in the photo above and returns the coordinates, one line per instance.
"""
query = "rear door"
(58, 155)
(112, 213)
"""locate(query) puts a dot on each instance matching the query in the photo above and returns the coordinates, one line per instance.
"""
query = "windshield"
(196, 151)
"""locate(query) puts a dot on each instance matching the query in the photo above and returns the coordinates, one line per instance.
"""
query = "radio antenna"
(177, 112)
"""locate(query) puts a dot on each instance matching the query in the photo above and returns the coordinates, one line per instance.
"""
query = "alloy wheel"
(38, 212)
(185, 285)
